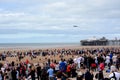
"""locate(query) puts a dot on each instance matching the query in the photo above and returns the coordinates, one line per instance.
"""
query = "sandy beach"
(22, 48)
(43, 59)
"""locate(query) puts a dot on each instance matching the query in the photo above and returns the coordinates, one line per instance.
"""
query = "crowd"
(87, 64)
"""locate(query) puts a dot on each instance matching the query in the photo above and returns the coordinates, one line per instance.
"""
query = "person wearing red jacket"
(68, 70)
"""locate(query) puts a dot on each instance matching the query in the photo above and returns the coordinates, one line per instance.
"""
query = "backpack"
(113, 78)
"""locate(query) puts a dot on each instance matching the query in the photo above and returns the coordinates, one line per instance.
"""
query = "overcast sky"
(48, 21)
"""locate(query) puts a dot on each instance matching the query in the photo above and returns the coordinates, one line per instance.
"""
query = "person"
(73, 70)
(114, 59)
(62, 66)
(99, 75)
(92, 74)
(114, 75)
(64, 76)
(118, 63)
(111, 56)
(9, 74)
(102, 66)
(69, 70)
(107, 60)
(14, 73)
(79, 61)
(88, 75)
(56, 67)
(80, 75)
(38, 72)
(1, 75)
(32, 73)
(50, 72)
(44, 75)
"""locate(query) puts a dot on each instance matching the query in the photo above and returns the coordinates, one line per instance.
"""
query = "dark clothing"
(44, 75)
(99, 75)
(80, 77)
(73, 71)
(92, 76)
(13, 73)
(32, 73)
(88, 76)
(59, 74)
(38, 72)
(100, 59)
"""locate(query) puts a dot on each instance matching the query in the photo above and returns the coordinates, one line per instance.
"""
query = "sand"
(41, 59)
(58, 47)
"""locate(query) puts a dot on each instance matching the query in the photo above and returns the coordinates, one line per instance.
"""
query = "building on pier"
(100, 42)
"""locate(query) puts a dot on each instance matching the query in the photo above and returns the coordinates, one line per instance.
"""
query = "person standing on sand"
(118, 63)
(92, 74)
(32, 73)
(14, 74)
(89, 62)
(68, 70)
(50, 72)
(73, 70)
(39, 72)
(56, 67)
(115, 74)
(80, 74)
(114, 59)
(44, 74)
(102, 66)
(111, 56)
(62, 66)
(1, 75)
(99, 75)
(88, 75)
(79, 61)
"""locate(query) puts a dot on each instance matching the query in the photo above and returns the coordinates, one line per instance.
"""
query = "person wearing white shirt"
(56, 68)
(114, 72)
(107, 60)
(114, 58)
(78, 61)
(75, 60)
(2, 69)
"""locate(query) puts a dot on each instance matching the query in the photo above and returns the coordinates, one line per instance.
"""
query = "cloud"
(28, 35)
(56, 5)
(58, 17)
(11, 14)
(32, 37)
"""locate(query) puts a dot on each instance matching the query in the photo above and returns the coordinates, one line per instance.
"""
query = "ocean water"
(36, 45)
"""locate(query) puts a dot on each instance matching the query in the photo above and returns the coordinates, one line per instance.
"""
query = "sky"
(52, 21)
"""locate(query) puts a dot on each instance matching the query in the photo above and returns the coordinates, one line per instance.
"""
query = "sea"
(36, 45)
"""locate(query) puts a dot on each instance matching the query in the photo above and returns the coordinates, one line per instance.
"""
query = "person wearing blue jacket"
(62, 66)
